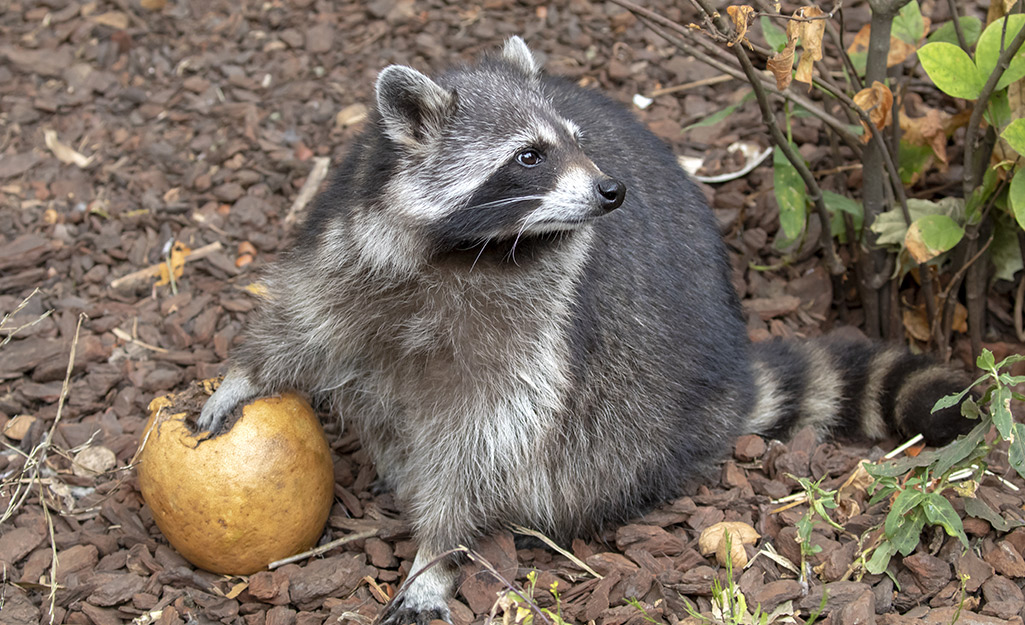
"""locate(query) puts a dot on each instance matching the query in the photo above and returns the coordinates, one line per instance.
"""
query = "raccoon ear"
(517, 53)
(413, 107)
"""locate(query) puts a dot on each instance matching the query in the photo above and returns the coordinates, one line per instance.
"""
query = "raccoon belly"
(852, 388)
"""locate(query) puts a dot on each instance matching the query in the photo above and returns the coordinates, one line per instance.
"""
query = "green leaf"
(721, 114)
(880, 557)
(859, 60)
(1014, 134)
(970, 26)
(970, 409)
(775, 36)
(892, 229)
(952, 70)
(949, 400)
(938, 511)
(904, 503)
(909, 533)
(913, 159)
(908, 25)
(837, 205)
(1010, 360)
(973, 506)
(1016, 452)
(790, 195)
(1016, 195)
(977, 200)
(1005, 251)
(986, 361)
(988, 51)
(933, 235)
(998, 112)
(894, 468)
(960, 449)
(1000, 411)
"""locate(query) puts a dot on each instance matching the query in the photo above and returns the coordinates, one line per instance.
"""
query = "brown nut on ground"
(233, 504)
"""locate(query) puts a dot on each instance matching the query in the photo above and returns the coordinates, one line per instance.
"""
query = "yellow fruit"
(233, 504)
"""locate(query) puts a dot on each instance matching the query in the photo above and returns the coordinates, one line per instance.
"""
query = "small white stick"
(917, 438)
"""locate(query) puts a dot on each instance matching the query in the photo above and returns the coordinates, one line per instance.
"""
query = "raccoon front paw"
(403, 611)
(233, 391)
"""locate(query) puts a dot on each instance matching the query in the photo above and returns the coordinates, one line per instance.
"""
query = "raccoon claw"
(399, 613)
(234, 390)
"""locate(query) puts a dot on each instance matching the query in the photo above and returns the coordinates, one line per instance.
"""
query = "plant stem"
(876, 269)
(952, 7)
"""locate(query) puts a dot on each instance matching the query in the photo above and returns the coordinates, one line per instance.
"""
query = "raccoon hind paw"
(403, 612)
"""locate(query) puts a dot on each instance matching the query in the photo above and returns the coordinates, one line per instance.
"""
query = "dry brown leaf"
(899, 49)
(93, 461)
(114, 19)
(737, 555)
(930, 129)
(236, 590)
(810, 35)
(877, 101)
(781, 65)
(859, 45)
(177, 264)
(740, 533)
(257, 289)
(351, 115)
(998, 9)
(63, 152)
(153, 5)
(18, 427)
(804, 68)
(917, 323)
(916, 246)
(741, 16)
(914, 450)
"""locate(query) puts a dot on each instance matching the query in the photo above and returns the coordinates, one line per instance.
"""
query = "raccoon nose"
(611, 193)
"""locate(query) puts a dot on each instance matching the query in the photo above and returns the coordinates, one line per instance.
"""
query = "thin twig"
(316, 551)
(656, 26)
(12, 331)
(519, 529)
(704, 82)
(833, 262)
(35, 459)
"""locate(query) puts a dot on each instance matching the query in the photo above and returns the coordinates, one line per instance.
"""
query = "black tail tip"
(940, 427)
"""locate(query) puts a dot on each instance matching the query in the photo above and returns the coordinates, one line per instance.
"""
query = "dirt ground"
(130, 126)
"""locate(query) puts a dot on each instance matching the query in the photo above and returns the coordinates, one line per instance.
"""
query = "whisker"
(505, 202)
(523, 227)
(484, 244)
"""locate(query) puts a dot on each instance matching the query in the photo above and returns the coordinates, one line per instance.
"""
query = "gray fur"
(509, 347)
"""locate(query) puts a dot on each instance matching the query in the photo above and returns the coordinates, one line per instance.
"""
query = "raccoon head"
(485, 157)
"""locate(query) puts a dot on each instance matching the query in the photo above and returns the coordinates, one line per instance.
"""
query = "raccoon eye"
(530, 158)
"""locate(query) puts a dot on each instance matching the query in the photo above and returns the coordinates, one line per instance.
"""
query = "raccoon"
(523, 305)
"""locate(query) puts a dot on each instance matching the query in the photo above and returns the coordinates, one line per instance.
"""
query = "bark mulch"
(127, 127)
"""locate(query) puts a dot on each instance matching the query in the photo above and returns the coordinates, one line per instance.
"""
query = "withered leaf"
(805, 26)
(781, 65)
(877, 101)
(741, 16)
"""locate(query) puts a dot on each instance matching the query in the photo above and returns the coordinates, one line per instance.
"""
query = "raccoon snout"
(610, 193)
